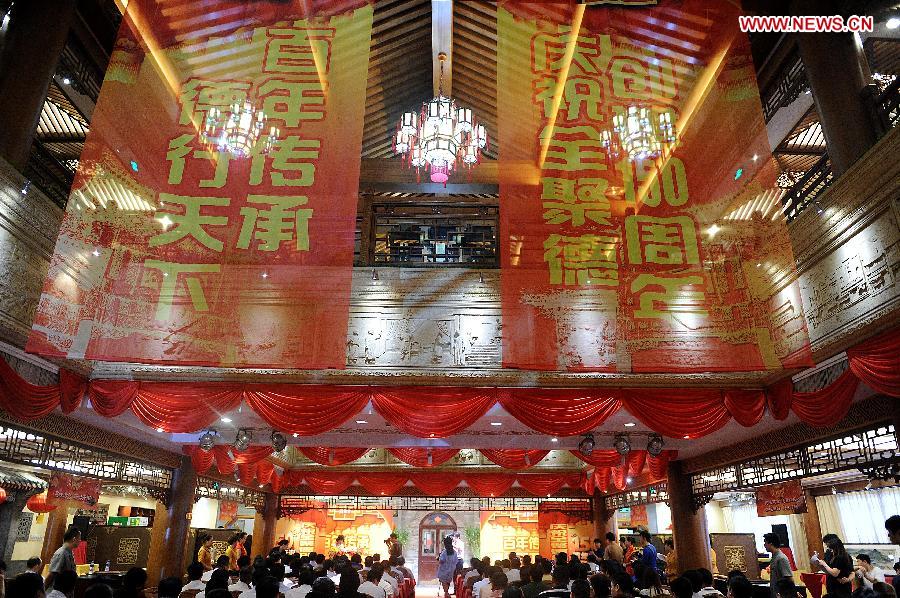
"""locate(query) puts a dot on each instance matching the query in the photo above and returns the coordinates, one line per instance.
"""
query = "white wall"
(205, 512)
(715, 517)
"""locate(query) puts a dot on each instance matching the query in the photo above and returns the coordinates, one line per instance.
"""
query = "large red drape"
(424, 457)
(604, 458)
(877, 362)
(306, 409)
(333, 455)
(433, 412)
(431, 483)
(514, 458)
(226, 458)
(562, 412)
(31, 401)
(443, 411)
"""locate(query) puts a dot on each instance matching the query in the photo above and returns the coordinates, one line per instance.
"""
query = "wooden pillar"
(56, 530)
(837, 73)
(604, 519)
(36, 38)
(270, 518)
(259, 530)
(158, 545)
(812, 524)
(688, 522)
(184, 485)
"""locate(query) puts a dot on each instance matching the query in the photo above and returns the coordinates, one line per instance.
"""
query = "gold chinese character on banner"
(292, 162)
(199, 95)
(665, 298)
(662, 241)
(575, 201)
(292, 102)
(574, 148)
(585, 260)
(301, 51)
(171, 273)
(581, 99)
(191, 223)
(280, 222)
(590, 55)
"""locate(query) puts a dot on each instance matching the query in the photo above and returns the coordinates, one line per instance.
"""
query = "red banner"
(784, 498)
(195, 232)
(639, 214)
(64, 486)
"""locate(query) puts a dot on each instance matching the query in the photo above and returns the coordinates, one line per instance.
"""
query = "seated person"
(195, 575)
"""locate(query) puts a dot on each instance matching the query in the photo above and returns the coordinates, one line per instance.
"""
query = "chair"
(189, 594)
(814, 583)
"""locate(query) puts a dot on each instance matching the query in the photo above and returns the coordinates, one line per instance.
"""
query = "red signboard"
(189, 237)
(784, 498)
(640, 222)
(64, 486)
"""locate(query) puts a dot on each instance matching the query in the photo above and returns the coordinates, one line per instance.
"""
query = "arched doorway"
(432, 531)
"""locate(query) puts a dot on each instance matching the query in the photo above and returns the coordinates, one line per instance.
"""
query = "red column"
(688, 523)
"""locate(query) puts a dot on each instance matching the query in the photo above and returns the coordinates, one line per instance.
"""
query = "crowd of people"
(628, 568)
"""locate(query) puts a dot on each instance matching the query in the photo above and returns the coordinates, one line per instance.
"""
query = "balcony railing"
(885, 108)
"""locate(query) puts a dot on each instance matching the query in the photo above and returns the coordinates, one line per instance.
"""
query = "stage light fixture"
(655, 445)
(622, 444)
(279, 442)
(207, 439)
(587, 444)
(242, 440)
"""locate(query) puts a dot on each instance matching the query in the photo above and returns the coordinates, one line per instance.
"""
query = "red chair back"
(790, 557)
(814, 583)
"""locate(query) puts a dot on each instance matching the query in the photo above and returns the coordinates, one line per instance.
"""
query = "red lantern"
(38, 503)
(2, 495)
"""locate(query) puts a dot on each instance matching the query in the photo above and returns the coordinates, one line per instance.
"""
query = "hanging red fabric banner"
(514, 458)
(212, 217)
(332, 455)
(632, 152)
(423, 457)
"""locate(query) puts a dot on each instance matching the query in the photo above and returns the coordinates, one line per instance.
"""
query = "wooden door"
(432, 531)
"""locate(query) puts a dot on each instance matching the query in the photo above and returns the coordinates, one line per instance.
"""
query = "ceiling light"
(296, 435)
(159, 430)
(265, 274)
(622, 444)
(242, 439)
(893, 23)
(628, 480)
(238, 130)
(639, 132)
(207, 439)
(712, 230)
(630, 424)
(165, 221)
(226, 420)
(554, 440)
(440, 135)
(587, 444)
(279, 442)
(496, 423)
(655, 445)
(67, 81)
(361, 421)
(687, 436)
(755, 157)
(96, 253)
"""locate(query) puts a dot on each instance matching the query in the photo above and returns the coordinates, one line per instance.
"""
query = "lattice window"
(643, 496)
(210, 488)
(872, 448)
(22, 446)
(300, 504)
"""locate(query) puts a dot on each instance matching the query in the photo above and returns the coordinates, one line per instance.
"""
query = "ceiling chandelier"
(639, 133)
(239, 130)
(440, 136)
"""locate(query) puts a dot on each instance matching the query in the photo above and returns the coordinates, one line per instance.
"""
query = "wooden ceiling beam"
(442, 43)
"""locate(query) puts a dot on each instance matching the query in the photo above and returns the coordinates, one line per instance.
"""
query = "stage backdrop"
(645, 265)
(171, 251)
(503, 532)
(318, 529)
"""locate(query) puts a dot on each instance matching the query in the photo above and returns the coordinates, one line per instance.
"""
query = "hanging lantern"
(3, 496)
(38, 503)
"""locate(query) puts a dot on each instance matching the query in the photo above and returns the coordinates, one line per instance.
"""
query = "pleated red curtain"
(332, 455)
(514, 458)
(382, 483)
(604, 458)
(436, 484)
(877, 362)
(433, 412)
(424, 457)
(306, 410)
(490, 484)
(561, 412)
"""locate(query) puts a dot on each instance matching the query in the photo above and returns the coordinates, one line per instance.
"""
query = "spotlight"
(655, 445)
(893, 23)
(587, 444)
(622, 445)
(207, 439)
(279, 442)
(242, 439)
